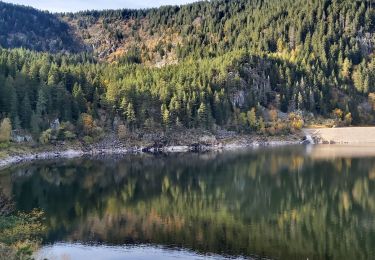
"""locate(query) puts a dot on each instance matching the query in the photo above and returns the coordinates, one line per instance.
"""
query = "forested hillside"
(246, 65)
(32, 29)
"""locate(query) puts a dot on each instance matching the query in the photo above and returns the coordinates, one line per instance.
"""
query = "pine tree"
(42, 102)
(53, 76)
(346, 67)
(165, 116)
(4, 96)
(79, 98)
(34, 125)
(202, 115)
(14, 108)
(130, 115)
(25, 112)
(300, 101)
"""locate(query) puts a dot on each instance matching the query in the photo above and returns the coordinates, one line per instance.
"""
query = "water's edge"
(77, 250)
(90, 151)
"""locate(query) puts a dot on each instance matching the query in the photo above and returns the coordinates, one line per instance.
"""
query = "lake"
(303, 202)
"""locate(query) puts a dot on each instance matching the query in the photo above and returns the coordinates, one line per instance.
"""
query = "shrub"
(46, 136)
(60, 135)
(281, 127)
(252, 119)
(262, 126)
(4, 145)
(273, 115)
(69, 135)
(337, 113)
(348, 119)
(271, 130)
(67, 126)
(88, 139)
(296, 122)
(97, 132)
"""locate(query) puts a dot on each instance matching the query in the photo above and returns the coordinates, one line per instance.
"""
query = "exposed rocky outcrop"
(18, 136)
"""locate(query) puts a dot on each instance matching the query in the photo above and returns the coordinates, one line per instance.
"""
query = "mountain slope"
(241, 65)
(208, 29)
(32, 29)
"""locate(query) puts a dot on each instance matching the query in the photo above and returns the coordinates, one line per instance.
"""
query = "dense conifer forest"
(252, 66)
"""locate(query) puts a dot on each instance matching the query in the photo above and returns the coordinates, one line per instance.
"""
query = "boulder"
(307, 139)
(55, 125)
(18, 136)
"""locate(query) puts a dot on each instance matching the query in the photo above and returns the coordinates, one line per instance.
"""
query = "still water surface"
(284, 203)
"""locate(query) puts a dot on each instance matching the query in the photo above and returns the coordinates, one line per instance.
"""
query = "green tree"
(35, 124)
(130, 115)
(14, 108)
(203, 115)
(165, 116)
(79, 98)
(42, 102)
(346, 68)
(25, 112)
(252, 119)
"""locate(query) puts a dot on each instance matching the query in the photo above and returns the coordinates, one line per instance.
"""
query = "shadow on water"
(282, 203)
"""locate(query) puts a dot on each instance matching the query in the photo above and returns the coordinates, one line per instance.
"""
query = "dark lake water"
(283, 203)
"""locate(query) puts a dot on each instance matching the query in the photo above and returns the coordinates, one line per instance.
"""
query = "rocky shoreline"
(118, 148)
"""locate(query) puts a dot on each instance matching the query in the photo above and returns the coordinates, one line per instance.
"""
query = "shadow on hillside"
(35, 30)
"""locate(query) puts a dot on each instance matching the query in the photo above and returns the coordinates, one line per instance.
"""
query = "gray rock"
(18, 136)
(55, 125)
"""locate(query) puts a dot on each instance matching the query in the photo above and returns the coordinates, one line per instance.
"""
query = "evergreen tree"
(14, 108)
(130, 115)
(202, 115)
(165, 116)
(25, 112)
(79, 98)
(313, 57)
(35, 124)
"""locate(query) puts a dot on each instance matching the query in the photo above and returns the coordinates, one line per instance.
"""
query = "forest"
(251, 66)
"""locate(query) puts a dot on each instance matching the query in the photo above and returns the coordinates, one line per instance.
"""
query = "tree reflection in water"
(279, 202)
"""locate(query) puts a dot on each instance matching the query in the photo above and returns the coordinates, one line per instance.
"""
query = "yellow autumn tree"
(346, 67)
(87, 123)
(5, 130)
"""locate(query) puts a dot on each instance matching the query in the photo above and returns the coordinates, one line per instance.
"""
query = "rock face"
(55, 125)
(307, 139)
(109, 145)
(18, 136)
(238, 98)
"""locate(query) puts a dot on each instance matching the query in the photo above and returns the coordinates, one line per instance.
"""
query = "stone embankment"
(112, 146)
